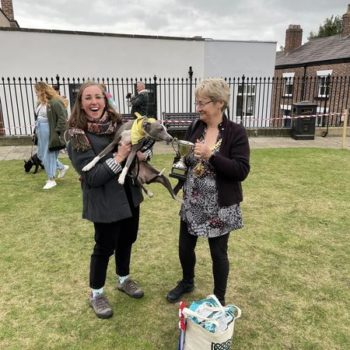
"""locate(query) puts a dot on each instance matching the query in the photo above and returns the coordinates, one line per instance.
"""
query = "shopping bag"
(209, 325)
(182, 326)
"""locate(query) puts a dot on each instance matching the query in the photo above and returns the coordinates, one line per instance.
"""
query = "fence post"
(155, 94)
(58, 82)
(2, 126)
(190, 75)
(242, 100)
(345, 124)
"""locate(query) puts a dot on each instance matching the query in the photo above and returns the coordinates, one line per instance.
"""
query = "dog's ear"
(146, 125)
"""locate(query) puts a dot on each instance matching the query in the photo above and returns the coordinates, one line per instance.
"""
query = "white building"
(47, 53)
(44, 53)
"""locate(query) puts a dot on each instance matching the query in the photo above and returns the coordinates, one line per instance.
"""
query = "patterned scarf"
(103, 126)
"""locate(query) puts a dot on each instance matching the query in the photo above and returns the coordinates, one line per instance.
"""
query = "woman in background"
(51, 124)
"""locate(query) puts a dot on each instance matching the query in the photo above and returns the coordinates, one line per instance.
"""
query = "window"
(288, 87)
(286, 115)
(245, 100)
(288, 84)
(323, 86)
(287, 122)
(323, 83)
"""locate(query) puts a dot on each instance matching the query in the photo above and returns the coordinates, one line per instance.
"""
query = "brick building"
(318, 71)
(6, 15)
(6, 20)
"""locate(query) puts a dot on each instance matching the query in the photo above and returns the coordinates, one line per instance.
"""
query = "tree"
(331, 26)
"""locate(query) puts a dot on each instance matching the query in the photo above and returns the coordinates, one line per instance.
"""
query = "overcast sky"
(264, 20)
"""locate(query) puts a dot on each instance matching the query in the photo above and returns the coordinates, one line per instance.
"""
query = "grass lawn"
(289, 264)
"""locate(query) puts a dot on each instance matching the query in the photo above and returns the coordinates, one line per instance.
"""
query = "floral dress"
(200, 208)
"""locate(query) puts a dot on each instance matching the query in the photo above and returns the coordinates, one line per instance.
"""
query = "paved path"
(23, 152)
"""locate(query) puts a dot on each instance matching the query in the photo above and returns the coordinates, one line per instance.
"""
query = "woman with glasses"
(212, 190)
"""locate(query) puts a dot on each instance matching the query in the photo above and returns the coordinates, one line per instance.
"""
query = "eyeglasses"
(202, 104)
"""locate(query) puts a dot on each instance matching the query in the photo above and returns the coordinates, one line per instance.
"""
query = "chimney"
(294, 35)
(346, 23)
(7, 9)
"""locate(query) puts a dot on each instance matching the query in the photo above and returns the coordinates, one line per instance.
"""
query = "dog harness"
(137, 131)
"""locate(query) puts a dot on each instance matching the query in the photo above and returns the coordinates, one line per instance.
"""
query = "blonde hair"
(216, 89)
(46, 92)
(78, 119)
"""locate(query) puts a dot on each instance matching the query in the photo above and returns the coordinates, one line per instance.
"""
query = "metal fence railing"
(260, 102)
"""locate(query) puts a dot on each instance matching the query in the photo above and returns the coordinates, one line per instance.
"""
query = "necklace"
(199, 168)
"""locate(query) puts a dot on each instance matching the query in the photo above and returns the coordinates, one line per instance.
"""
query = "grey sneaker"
(101, 306)
(131, 288)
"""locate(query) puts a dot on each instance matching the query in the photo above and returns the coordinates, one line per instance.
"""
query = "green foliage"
(331, 26)
(289, 264)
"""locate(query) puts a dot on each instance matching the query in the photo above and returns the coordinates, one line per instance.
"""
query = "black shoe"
(181, 288)
(222, 302)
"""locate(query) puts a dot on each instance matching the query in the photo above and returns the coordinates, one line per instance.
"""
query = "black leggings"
(218, 251)
(118, 238)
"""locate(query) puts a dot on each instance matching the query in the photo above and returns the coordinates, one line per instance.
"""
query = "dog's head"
(28, 164)
(155, 130)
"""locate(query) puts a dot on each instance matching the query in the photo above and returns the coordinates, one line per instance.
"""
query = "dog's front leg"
(127, 165)
(146, 190)
(103, 153)
(90, 165)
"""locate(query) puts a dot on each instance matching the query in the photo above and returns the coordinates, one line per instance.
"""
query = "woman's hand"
(124, 150)
(141, 156)
(202, 151)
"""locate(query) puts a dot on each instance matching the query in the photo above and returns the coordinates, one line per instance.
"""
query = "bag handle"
(187, 312)
(220, 308)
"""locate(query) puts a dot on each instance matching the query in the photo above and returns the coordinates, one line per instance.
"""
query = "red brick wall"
(7, 8)
(346, 23)
(294, 35)
(339, 97)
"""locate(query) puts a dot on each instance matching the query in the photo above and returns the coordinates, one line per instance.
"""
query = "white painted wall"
(235, 58)
(36, 54)
(47, 53)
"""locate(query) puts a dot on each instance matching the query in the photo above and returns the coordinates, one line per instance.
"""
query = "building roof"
(329, 49)
(140, 36)
(11, 23)
(3, 15)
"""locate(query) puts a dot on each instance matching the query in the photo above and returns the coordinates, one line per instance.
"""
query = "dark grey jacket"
(104, 199)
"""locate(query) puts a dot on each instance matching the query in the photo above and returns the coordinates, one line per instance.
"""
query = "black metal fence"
(260, 102)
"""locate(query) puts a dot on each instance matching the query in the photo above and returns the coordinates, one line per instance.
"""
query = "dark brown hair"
(78, 118)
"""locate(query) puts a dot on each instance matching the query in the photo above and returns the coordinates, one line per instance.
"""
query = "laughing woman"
(113, 209)
(212, 190)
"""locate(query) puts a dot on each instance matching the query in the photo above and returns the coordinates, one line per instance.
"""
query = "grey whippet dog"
(145, 174)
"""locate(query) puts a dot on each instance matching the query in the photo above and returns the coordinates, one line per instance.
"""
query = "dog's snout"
(169, 139)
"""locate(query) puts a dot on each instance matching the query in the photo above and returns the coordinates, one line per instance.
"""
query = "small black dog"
(33, 161)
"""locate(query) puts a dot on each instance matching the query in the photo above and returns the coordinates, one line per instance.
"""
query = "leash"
(31, 150)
